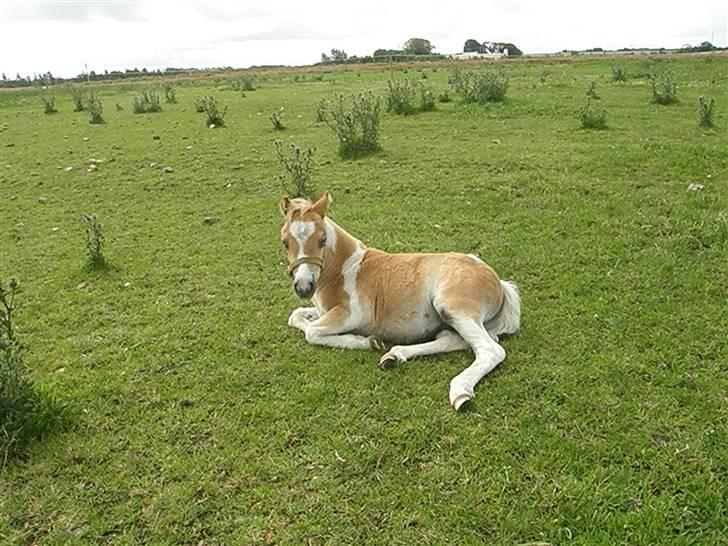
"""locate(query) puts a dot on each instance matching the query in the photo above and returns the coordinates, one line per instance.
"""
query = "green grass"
(199, 417)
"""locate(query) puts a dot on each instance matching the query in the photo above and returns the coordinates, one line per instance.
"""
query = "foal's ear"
(283, 205)
(320, 206)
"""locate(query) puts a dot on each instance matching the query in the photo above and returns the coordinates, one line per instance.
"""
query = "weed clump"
(170, 95)
(24, 413)
(592, 117)
(246, 82)
(277, 120)
(49, 104)
(619, 74)
(705, 112)
(147, 102)
(297, 164)
(78, 98)
(215, 116)
(591, 92)
(664, 89)
(95, 110)
(95, 259)
(407, 98)
(355, 121)
(480, 87)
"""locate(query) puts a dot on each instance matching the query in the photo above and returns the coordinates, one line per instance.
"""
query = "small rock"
(127, 284)
(152, 163)
(168, 169)
(695, 187)
(212, 126)
(496, 141)
(60, 370)
(42, 200)
(81, 286)
(85, 139)
(209, 220)
(69, 168)
(55, 229)
(188, 147)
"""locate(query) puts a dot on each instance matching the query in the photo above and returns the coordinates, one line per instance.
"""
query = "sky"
(66, 36)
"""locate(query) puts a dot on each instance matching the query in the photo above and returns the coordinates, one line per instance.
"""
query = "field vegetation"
(185, 411)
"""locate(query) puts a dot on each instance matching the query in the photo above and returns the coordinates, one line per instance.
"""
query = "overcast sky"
(64, 35)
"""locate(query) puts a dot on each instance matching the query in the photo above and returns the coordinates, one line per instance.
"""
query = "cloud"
(128, 11)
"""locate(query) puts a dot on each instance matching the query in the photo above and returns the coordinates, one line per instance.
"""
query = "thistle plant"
(591, 92)
(619, 74)
(664, 89)
(94, 242)
(705, 112)
(277, 120)
(355, 121)
(215, 116)
(49, 104)
(297, 164)
(592, 117)
(170, 95)
(78, 98)
(146, 102)
(95, 109)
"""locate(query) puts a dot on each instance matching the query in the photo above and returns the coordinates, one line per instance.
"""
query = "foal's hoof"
(376, 344)
(459, 400)
(387, 361)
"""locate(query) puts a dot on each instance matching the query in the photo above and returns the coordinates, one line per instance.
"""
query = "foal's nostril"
(304, 289)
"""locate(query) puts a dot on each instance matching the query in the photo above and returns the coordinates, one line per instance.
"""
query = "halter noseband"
(305, 260)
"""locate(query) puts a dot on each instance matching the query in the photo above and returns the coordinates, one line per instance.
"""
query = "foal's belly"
(410, 327)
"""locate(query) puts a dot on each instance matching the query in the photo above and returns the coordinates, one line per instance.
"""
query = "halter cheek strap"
(305, 260)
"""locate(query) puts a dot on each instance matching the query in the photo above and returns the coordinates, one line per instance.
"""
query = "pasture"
(195, 415)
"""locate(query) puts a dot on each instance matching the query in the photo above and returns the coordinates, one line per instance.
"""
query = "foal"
(428, 303)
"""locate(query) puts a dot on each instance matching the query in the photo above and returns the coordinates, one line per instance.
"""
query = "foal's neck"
(343, 246)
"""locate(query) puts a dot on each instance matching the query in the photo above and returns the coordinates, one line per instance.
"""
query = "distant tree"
(5, 78)
(388, 53)
(339, 55)
(471, 45)
(418, 46)
(513, 51)
(325, 58)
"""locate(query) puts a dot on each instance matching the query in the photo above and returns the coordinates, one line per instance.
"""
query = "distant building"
(477, 55)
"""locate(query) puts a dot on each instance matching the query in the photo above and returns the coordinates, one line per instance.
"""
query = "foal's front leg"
(331, 328)
(303, 316)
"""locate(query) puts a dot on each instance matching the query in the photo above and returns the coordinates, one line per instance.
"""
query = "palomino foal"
(428, 303)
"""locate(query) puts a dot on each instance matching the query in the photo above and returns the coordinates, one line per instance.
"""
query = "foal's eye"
(285, 243)
(322, 242)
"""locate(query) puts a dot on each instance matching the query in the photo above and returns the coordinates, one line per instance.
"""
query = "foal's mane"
(298, 205)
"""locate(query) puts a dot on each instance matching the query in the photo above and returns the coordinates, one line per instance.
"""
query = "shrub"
(95, 109)
(247, 82)
(78, 98)
(444, 97)
(592, 91)
(24, 413)
(355, 121)
(401, 97)
(664, 89)
(215, 116)
(592, 117)
(619, 74)
(277, 121)
(705, 112)
(94, 242)
(480, 87)
(119, 107)
(49, 104)
(321, 110)
(147, 102)
(298, 166)
(427, 99)
(170, 95)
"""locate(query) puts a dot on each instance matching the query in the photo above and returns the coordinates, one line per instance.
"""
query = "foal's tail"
(508, 319)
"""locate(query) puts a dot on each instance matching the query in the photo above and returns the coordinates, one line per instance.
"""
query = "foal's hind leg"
(445, 342)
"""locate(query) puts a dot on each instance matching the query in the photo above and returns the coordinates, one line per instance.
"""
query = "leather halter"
(314, 260)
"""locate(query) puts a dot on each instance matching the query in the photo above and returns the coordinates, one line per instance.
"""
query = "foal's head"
(304, 236)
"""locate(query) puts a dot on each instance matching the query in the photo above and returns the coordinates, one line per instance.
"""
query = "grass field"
(194, 415)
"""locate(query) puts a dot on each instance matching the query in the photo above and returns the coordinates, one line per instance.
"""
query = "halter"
(305, 260)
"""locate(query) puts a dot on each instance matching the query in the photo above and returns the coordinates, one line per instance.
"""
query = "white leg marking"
(488, 354)
(446, 341)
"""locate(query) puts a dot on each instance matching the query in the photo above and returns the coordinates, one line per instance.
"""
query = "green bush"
(480, 87)
(49, 104)
(592, 117)
(619, 74)
(215, 116)
(277, 120)
(170, 95)
(664, 89)
(147, 102)
(94, 242)
(591, 92)
(705, 112)
(298, 166)
(24, 413)
(355, 121)
(401, 97)
(78, 97)
(95, 109)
